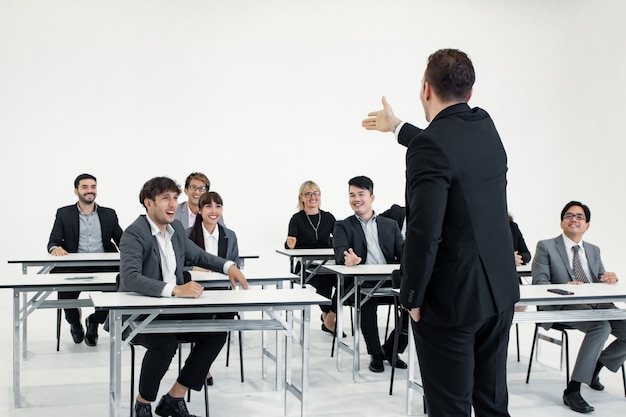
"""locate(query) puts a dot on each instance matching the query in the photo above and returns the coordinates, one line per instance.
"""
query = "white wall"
(262, 95)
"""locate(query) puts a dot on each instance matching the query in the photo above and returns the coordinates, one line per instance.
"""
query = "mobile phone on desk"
(560, 291)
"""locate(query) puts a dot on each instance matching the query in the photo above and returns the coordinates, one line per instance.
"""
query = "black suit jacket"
(519, 244)
(66, 229)
(458, 262)
(349, 233)
(395, 212)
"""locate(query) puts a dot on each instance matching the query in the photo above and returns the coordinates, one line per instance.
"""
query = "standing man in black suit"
(84, 227)
(458, 270)
(366, 238)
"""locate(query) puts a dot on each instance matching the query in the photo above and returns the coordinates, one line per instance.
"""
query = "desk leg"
(339, 321)
(357, 331)
(288, 338)
(279, 354)
(24, 326)
(306, 327)
(115, 360)
(17, 398)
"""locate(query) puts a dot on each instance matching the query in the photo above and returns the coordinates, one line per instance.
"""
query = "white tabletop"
(57, 280)
(383, 269)
(44, 257)
(236, 298)
(583, 293)
(322, 252)
(252, 274)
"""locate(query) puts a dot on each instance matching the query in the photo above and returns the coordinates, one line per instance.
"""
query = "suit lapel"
(560, 248)
(222, 243)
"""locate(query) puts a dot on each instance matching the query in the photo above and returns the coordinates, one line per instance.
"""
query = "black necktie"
(579, 273)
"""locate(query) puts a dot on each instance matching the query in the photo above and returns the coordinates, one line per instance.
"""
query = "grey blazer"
(140, 261)
(551, 265)
(227, 245)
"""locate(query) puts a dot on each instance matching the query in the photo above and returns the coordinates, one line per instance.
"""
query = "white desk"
(308, 257)
(43, 286)
(124, 309)
(537, 295)
(46, 261)
(361, 273)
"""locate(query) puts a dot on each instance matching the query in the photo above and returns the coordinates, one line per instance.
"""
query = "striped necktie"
(579, 273)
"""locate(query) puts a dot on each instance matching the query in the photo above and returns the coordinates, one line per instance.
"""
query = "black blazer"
(395, 212)
(458, 262)
(349, 233)
(66, 229)
(519, 244)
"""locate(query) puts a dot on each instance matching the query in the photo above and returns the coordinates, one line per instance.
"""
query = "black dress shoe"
(172, 407)
(77, 332)
(399, 362)
(376, 364)
(327, 330)
(596, 384)
(576, 402)
(91, 335)
(143, 410)
(209, 381)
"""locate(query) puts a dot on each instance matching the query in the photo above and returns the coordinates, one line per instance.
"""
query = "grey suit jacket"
(228, 248)
(140, 261)
(551, 265)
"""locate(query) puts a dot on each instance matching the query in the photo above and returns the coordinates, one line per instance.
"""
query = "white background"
(263, 94)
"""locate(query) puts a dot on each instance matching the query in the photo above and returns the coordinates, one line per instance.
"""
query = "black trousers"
(324, 284)
(161, 348)
(464, 367)
(369, 328)
(72, 315)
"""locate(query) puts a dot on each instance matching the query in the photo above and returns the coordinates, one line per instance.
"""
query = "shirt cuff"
(398, 128)
(167, 290)
(227, 266)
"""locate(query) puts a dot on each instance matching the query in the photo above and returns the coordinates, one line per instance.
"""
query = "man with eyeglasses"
(566, 259)
(196, 184)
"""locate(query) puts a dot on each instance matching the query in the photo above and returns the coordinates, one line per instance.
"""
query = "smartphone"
(560, 291)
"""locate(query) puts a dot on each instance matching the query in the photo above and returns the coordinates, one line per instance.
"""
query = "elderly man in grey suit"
(153, 251)
(566, 259)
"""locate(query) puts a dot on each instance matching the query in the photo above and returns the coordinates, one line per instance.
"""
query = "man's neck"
(87, 208)
(192, 207)
(367, 216)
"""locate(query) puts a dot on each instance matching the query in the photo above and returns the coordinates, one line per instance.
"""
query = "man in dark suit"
(153, 252)
(566, 259)
(459, 281)
(84, 227)
(522, 254)
(366, 238)
(397, 213)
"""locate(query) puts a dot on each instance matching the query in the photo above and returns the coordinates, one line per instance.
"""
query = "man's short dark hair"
(579, 204)
(157, 185)
(362, 182)
(83, 177)
(200, 177)
(451, 74)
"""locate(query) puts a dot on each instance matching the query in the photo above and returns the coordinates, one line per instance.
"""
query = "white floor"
(74, 381)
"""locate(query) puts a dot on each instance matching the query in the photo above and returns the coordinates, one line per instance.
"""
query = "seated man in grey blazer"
(153, 251)
(567, 259)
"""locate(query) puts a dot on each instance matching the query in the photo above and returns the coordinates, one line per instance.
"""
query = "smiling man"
(153, 252)
(566, 259)
(366, 238)
(84, 227)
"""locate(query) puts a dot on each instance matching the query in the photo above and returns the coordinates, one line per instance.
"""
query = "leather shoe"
(399, 362)
(596, 384)
(327, 330)
(376, 364)
(143, 409)
(78, 334)
(172, 407)
(91, 335)
(576, 402)
(209, 381)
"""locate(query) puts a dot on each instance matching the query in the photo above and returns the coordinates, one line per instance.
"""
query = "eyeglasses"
(311, 194)
(569, 216)
(194, 187)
